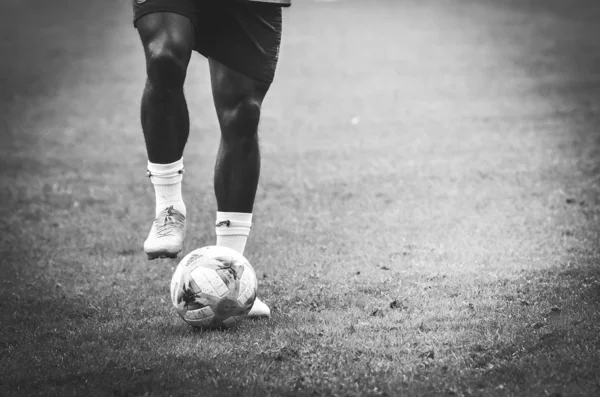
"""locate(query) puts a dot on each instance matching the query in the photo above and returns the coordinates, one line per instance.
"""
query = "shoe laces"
(168, 221)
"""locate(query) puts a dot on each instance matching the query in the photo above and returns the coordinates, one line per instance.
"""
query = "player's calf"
(238, 101)
(164, 113)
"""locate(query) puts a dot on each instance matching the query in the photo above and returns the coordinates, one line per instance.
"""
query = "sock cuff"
(165, 170)
(232, 231)
(234, 218)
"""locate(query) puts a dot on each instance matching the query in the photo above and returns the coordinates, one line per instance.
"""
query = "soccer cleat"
(166, 236)
(259, 310)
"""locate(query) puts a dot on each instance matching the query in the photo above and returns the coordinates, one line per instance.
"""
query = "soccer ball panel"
(200, 320)
(199, 314)
(176, 290)
(230, 322)
(248, 288)
(209, 282)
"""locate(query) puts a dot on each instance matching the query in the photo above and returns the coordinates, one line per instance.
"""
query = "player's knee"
(166, 64)
(240, 119)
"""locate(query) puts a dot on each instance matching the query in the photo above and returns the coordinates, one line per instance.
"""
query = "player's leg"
(243, 53)
(168, 39)
(238, 100)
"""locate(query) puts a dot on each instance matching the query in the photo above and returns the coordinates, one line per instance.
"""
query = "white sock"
(166, 179)
(232, 229)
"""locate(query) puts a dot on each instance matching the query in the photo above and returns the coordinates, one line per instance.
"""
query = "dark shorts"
(243, 36)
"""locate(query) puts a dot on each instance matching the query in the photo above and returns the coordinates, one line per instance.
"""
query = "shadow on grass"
(120, 380)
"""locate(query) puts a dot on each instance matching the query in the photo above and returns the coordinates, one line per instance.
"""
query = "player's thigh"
(245, 37)
(231, 88)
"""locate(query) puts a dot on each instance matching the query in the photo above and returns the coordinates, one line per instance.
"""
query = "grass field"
(427, 221)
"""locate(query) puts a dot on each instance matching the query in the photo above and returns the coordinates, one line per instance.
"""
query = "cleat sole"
(161, 255)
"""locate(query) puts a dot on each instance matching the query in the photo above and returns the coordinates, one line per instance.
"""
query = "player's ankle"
(232, 229)
(178, 206)
(167, 179)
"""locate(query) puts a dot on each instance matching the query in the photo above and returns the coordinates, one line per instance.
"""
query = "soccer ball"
(213, 287)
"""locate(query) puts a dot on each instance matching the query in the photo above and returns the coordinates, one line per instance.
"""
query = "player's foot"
(259, 310)
(166, 236)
